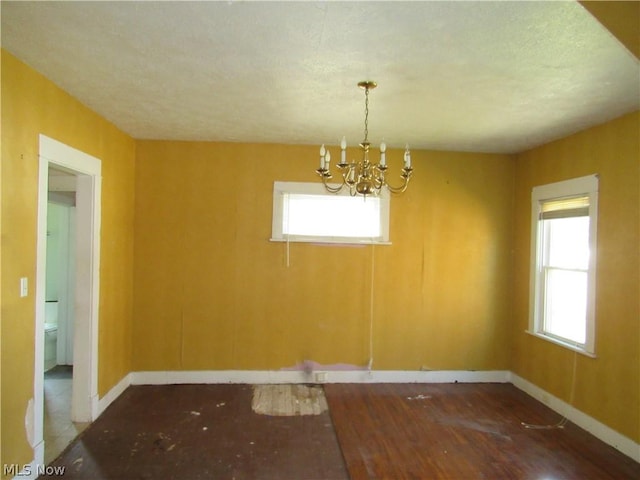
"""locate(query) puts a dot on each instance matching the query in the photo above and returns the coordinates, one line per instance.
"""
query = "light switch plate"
(24, 286)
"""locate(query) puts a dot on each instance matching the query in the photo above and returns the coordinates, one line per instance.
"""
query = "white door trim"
(88, 214)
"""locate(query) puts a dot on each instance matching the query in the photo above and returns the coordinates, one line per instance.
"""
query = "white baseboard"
(317, 376)
(112, 394)
(590, 424)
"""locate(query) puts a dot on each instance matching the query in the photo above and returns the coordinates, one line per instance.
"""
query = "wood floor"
(201, 432)
(377, 431)
(463, 431)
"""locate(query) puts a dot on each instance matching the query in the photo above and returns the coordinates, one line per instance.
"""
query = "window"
(306, 212)
(564, 219)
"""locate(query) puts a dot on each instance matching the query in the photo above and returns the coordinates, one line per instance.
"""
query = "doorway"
(69, 188)
(59, 430)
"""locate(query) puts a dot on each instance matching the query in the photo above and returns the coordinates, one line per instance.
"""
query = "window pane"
(563, 251)
(566, 304)
(331, 216)
(568, 245)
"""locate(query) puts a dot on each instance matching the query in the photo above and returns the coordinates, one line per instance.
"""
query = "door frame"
(87, 169)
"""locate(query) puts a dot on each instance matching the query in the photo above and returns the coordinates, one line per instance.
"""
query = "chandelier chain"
(366, 114)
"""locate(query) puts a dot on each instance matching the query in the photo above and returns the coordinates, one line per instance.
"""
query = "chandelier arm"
(401, 188)
(329, 188)
(378, 178)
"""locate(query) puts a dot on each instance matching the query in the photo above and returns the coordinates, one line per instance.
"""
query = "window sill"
(330, 241)
(566, 345)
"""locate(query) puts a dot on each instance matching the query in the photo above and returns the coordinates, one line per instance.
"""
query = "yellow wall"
(32, 105)
(607, 387)
(211, 291)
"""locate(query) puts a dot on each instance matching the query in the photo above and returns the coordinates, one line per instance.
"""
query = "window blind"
(565, 207)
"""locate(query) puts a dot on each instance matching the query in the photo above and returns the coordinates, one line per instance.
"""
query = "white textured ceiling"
(468, 76)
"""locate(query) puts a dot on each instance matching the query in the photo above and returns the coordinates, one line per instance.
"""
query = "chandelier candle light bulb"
(363, 177)
(407, 157)
(322, 153)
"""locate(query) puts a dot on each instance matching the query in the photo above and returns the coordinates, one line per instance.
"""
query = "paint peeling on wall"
(29, 422)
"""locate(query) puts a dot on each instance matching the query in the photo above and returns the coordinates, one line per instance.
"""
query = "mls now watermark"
(18, 470)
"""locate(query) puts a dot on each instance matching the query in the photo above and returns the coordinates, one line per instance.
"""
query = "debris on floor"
(419, 397)
(77, 463)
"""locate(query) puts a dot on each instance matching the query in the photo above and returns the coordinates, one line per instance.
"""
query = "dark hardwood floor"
(191, 432)
(463, 431)
(377, 431)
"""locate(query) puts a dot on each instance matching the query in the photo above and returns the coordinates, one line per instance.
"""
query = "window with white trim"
(564, 220)
(306, 212)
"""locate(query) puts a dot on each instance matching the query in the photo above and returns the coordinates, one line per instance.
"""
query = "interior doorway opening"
(59, 430)
(67, 287)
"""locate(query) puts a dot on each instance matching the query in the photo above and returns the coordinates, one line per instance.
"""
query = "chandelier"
(363, 177)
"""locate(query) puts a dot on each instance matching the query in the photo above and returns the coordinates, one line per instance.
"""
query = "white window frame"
(586, 186)
(282, 188)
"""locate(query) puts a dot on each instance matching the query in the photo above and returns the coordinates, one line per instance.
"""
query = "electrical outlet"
(24, 286)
